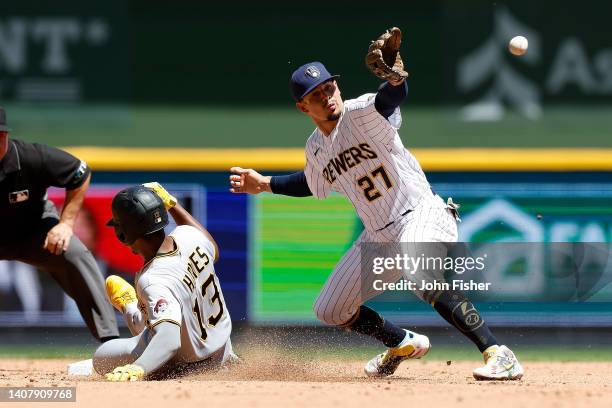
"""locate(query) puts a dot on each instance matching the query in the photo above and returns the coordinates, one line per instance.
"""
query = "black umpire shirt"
(26, 171)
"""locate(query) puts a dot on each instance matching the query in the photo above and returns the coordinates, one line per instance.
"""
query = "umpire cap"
(137, 212)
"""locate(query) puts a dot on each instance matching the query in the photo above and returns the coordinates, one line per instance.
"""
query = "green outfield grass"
(52, 351)
(286, 127)
(440, 353)
(462, 353)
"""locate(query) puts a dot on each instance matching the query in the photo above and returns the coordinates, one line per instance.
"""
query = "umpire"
(34, 233)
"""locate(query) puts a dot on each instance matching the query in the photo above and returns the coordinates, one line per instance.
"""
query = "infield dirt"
(270, 380)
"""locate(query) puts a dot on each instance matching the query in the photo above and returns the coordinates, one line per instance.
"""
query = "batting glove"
(167, 198)
(130, 372)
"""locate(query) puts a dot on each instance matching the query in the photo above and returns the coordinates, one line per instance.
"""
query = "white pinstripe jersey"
(181, 287)
(365, 160)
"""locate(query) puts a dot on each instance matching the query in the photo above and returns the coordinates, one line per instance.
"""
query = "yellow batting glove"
(167, 198)
(130, 372)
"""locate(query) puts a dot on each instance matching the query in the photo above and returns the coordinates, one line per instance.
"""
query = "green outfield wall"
(243, 52)
(136, 73)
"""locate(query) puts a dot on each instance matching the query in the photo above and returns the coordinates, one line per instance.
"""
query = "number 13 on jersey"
(203, 299)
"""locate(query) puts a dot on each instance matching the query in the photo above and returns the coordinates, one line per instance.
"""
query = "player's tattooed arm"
(182, 217)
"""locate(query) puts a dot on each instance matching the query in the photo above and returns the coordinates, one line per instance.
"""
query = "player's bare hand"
(248, 181)
(58, 238)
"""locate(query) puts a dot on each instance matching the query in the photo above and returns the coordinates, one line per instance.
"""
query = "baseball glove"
(383, 57)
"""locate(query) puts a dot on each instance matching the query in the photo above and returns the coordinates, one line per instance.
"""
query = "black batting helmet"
(137, 211)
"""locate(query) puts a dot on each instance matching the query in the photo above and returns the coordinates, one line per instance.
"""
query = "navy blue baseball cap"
(308, 77)
(3, 127)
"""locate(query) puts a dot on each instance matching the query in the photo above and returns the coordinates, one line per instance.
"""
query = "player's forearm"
(389, 97)
(294, 185)
(265, 185)
(182, 217)
(163, 346)
(73, 202)
(134, 319)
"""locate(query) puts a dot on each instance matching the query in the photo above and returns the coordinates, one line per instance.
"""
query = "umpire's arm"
(58, 238)
(61, 169)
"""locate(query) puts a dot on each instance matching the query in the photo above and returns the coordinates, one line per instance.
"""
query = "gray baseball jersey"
(181, 287)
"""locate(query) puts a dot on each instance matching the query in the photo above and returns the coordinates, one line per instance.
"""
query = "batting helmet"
(137, 212)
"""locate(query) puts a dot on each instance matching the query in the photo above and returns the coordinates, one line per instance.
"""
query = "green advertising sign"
(63, 52)
(297, 242)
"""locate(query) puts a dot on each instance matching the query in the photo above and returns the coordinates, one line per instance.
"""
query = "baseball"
(518, 45)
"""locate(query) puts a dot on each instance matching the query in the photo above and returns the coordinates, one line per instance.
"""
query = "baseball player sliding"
(356, 151)
(177, 313)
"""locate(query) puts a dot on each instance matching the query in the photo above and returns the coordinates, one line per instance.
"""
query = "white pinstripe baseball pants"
(343, 292)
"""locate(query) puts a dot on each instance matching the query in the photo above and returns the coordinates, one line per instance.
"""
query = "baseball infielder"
(177, 313)
(356, 151)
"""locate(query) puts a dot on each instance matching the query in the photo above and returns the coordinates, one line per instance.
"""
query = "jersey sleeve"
(373, 125)
(387, 102)
(293, 185)
(61, 169)
(318, 185)
(160, 305)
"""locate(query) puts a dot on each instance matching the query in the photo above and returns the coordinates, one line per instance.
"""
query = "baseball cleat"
(500, 364)
(414, 345)
(120, 292)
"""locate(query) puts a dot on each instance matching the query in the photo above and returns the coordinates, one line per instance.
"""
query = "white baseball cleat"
(500, 364)
(414, 345)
